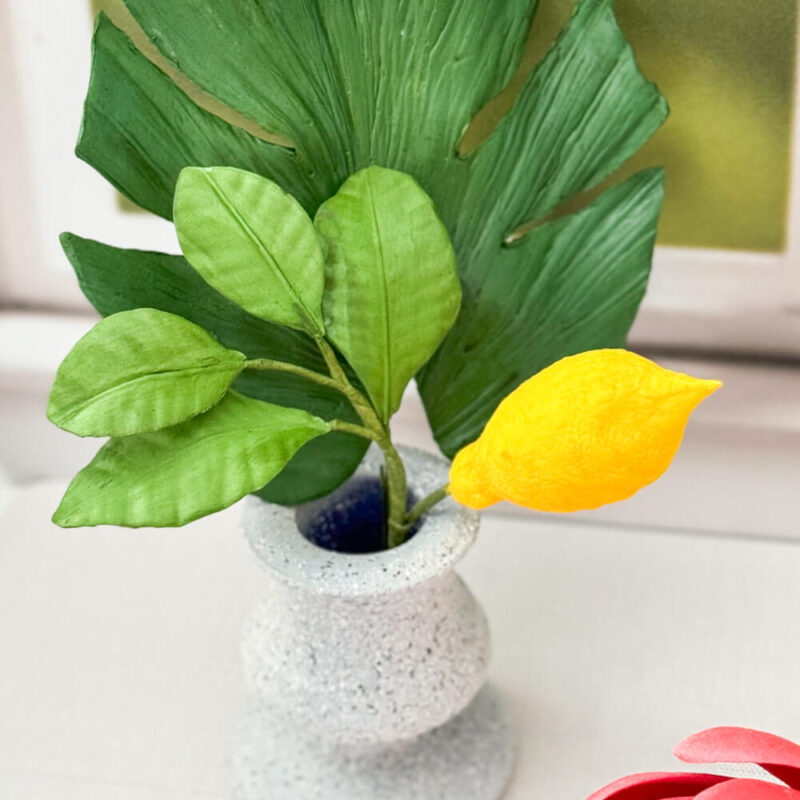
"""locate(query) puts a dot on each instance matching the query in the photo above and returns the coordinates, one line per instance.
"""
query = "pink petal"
(658, 786)
(778, 756)
(746, 789)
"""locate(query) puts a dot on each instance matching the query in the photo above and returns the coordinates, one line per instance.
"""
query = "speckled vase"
(367, 672)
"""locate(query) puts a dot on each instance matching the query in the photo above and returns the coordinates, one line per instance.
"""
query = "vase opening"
(351, 519)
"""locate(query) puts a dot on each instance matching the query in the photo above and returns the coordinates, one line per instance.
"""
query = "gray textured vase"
(368, 671)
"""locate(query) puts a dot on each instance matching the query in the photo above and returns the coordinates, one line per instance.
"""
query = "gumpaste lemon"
(591, 429)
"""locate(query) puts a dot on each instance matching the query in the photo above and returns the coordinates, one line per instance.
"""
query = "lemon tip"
(707, 387)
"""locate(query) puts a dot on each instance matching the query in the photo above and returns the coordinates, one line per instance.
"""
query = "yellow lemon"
(590, 429)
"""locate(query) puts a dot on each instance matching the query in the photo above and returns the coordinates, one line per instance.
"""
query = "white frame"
(698, 299)
(44, 72)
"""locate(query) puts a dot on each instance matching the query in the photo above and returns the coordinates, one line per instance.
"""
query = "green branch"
(425, 505)
(356, 430)
(397, 522)
(265, 364)
(396, 481)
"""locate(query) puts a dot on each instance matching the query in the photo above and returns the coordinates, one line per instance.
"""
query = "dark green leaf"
(140, 130)
(117, 280)
(179, 474)
(316, 470)
(582, 113)
(591, 274)
(140, 371)
(349, 83)
(253, 243)
(391, 287)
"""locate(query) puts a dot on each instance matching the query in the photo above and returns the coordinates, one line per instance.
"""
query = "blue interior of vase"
(350, 520)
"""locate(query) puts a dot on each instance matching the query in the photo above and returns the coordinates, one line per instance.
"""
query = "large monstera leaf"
(357, 82)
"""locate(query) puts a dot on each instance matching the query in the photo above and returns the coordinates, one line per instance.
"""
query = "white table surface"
(119, 671)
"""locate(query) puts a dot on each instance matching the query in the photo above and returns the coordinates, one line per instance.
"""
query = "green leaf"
(581, 114)
(179, 474)
(349, 83)
(253, 243)
(140, 371)
(324, 468)
(140, 130)
(391, 287)
(118, 280)
(583, 111)
(591, 275)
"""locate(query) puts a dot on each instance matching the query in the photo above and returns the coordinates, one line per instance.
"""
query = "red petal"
(658, 786)
(746, 789)
(778, 756)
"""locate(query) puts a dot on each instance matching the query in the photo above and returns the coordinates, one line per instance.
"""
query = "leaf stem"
(265, 364)
(356, 430)
(396, 494)
(397, 524)
(425, 505)
(396, 481)
(361, 404)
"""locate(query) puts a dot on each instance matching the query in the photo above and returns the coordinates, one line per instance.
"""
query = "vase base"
(469, 758)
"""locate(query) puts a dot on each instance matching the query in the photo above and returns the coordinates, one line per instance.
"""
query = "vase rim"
(445, 535)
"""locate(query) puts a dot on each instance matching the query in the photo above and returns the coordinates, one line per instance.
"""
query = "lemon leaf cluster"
(185, 442)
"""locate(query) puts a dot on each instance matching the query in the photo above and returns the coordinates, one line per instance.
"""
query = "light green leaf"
(391, 287)
(179, 474)
(117, 280)
(140, 371)
(252, 242)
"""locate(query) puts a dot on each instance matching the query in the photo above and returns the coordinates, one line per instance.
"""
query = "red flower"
(779, 757)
